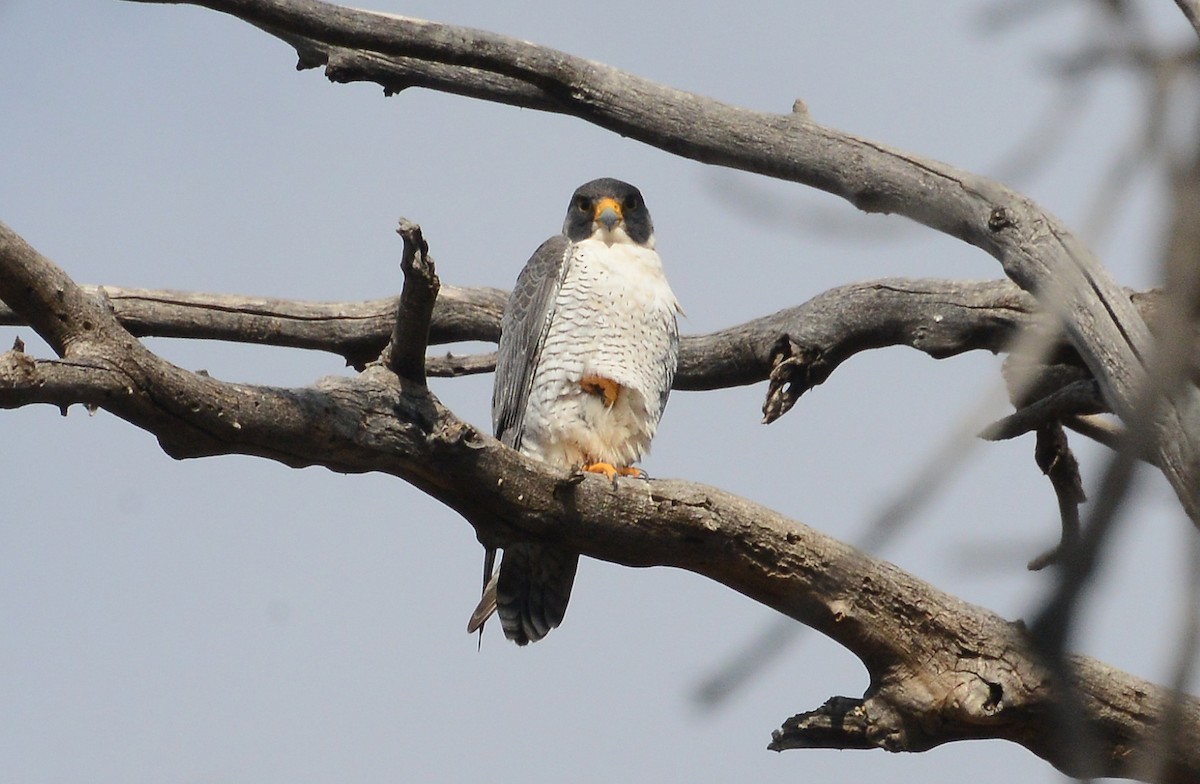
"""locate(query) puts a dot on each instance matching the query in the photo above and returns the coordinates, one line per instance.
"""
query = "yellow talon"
(608, 469)
(612, 472)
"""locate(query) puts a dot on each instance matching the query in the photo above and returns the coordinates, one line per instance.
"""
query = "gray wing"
(670, 364)
(522, 333)
(523, 329)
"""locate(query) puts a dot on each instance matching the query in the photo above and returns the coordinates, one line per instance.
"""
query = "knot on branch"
(841, 723)
(795, 369)
(1000, 219)
(17, 367)
(975, 700)
(913, 712)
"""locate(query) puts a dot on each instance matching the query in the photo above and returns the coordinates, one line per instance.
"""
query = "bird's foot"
(613, 472)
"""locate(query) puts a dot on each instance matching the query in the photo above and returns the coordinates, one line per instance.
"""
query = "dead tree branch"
(357, 331)
(405, 352)
(798, 348)
(1034, 248)
(941, 669)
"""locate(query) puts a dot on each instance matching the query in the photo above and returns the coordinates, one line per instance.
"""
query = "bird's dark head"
(610, 211)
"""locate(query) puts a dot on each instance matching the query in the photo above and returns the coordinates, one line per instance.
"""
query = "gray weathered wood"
(941, 669)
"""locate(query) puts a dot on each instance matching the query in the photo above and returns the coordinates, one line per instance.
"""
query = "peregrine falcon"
(588, 349)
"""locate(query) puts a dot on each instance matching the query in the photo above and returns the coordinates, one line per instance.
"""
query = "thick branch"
(941, 669)
(1107, 697)
(43, 296)
(944, 670)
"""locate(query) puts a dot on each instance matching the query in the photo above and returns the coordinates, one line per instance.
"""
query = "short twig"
(405, 354)
(1079, 397)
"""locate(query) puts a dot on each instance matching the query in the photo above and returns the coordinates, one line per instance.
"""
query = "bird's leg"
(604, 388)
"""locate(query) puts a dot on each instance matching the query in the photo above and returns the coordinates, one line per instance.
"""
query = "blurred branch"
(1002, 14)
(1053, 455)
(941, 669)
(1100, 430)
(1076, 397)
(1171, 373)
(1191, 10)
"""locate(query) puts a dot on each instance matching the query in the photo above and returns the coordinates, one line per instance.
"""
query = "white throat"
(618, 236)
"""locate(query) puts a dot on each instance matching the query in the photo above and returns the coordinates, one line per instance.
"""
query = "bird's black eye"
(583, 204)
(632, 202)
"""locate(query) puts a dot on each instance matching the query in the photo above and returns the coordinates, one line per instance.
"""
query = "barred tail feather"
(533, 590)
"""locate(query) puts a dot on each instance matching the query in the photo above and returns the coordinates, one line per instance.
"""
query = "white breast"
(614, 317)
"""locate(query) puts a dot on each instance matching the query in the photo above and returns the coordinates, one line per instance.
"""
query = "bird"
(589, 345)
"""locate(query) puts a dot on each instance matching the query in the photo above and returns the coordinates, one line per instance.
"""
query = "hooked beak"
(608, 213)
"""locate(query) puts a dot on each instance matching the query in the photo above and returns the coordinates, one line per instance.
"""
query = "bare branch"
(841, 723)
(1035, 249)
(1099, 429)
(405, 352)
(454, 365)
(1076, 397)
(357, 331)
(45, 298)
(939, 317)
(797, 348)
(962, 672)
(844, 722)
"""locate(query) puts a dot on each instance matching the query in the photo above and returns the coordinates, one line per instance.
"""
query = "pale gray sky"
(230, 619)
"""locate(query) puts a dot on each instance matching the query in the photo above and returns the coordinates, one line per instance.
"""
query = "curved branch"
(939, 317)
(357, 331)
(941, 669)
(1191, 9)
(1035, 249)
(796, 348)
